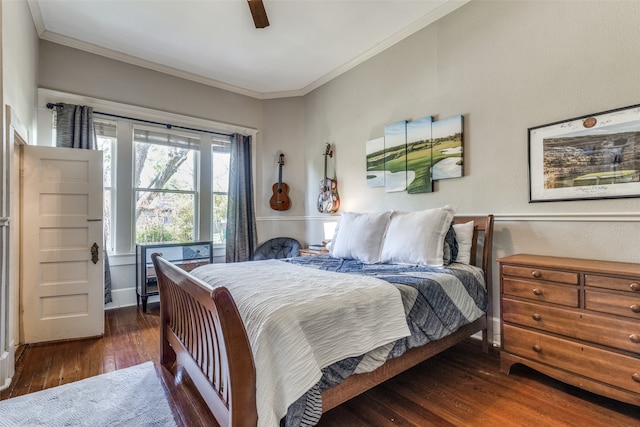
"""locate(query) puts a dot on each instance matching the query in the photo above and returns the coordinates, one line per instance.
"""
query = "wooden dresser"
(575, 320)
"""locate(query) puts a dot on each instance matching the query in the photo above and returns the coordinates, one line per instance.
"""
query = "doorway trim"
(17, 135)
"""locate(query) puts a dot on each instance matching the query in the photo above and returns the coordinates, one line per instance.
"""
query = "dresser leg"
(506, 362)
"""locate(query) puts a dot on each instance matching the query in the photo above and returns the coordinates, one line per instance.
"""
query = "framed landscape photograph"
(589, 157)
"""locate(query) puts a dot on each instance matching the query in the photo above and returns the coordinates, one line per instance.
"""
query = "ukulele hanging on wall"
(328, 200)
(280, 200)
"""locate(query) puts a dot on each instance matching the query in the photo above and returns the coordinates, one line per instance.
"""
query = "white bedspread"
(300, 320)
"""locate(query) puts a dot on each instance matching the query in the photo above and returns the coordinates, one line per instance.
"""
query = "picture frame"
(596, 156)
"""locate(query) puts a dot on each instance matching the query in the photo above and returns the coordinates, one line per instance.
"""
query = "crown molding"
(431, 17)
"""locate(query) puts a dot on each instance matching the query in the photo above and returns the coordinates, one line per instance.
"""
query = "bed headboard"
(482, 236)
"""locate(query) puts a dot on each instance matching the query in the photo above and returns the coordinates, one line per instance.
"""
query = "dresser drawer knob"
(536, 274)
(635, 308)
(635, 287)
(537, 348)
(537, 317)
(537, 291)
(634, 338)
(636, 377)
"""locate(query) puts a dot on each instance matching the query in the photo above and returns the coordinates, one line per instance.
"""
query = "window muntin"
(220, 188)
(106, 141)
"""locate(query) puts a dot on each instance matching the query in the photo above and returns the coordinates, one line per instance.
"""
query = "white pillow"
(359, 236)
(464, 237)
(417, 237)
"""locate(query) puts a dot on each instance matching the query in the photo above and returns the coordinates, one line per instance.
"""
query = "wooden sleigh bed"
(202, 331)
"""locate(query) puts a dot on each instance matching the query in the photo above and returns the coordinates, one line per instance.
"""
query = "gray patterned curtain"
(75, 129)
(74, 126)
(241, 218)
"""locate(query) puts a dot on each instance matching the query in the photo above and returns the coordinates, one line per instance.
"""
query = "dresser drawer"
(556, 294)
(603, 330)
(616, 283)
(540, 274)
(602, 365)
(618, 304)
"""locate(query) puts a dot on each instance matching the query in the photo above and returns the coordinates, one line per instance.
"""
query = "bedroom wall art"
(589, 157)
(375, 162)
(447, 148)
(396, 175)
(413, 154)
(419, 155)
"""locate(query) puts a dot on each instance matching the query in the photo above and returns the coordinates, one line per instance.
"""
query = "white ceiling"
(308, 43)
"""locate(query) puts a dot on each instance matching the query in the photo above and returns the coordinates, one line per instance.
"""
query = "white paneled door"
(62, 291)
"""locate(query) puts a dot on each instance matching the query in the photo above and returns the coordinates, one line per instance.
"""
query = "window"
(161, 184)
(106, 141)
(165, 185)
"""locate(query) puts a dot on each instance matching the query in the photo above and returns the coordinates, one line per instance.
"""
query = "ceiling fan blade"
(259, 14)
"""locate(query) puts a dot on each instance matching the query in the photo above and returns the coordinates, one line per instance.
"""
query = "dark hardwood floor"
(459, 387)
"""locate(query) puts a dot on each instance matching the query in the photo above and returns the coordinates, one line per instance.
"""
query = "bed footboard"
(202, 330)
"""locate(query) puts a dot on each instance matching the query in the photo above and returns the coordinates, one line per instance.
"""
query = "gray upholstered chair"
(278, 247)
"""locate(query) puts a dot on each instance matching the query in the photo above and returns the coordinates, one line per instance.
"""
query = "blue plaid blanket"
(437, 300)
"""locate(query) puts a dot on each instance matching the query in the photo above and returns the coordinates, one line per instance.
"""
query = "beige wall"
(20, 62)
(506, 66)
(279, 123)
(18, 91)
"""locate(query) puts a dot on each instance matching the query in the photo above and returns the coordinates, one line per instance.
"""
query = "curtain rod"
(51, 106)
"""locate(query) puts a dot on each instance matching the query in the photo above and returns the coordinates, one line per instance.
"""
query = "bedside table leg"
(144, 304)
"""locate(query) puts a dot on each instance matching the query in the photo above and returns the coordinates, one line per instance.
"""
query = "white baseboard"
(126, 298)
(495, 340)
(7, 366)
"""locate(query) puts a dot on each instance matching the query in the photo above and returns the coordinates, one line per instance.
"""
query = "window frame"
(196, 147)
(126, 116)
(113, 146)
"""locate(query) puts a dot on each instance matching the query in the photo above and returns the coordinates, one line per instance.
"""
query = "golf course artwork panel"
(447, 148)
(419, 158)
(375, 162)
(589, 157)
(396, 174)
(414, 154)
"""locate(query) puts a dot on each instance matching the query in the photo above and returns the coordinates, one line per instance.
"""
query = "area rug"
(126, 397)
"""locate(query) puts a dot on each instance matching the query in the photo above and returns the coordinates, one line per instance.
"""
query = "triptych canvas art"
(413, 154)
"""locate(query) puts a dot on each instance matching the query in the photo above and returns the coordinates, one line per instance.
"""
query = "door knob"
(94, 253)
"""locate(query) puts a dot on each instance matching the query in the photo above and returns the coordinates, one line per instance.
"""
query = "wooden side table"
(309, 252)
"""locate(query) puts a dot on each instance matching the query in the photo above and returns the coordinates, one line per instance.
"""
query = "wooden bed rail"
(203, 330)
(358, 384)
